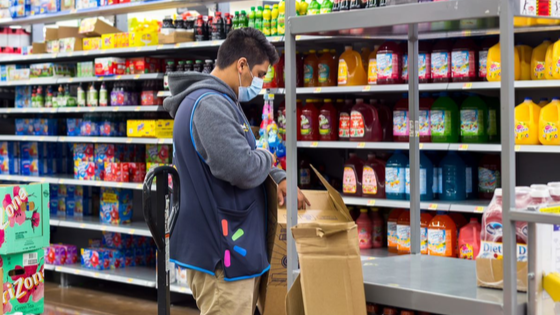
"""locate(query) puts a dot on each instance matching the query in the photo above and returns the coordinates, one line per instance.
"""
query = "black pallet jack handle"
(163, 224)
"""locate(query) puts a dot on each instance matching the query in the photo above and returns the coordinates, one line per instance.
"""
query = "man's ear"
(241, 64)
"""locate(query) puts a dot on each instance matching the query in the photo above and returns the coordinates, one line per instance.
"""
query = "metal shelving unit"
(54, 81)
(119, 140)
(468, 206)
(76, 110)
(94, 224)
(69, 180)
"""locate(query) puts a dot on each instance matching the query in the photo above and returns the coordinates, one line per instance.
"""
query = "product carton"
(490, 266)
(327, 209)
(161, 128)
(115, 206)
(23, 293)
(91, 43)
(25, 218)
(39, 48)
(95, 27)
(331, 275)
(176, 37)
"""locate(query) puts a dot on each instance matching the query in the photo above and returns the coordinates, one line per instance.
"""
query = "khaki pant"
(215, 296)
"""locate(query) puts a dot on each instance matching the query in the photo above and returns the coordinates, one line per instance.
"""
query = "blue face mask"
(247, 93)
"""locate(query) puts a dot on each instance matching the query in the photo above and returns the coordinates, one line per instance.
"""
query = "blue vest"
(218, 224)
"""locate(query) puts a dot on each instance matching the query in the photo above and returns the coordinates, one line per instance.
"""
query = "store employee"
(220, 235)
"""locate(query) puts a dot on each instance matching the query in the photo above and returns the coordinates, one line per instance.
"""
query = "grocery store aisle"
(81, 301)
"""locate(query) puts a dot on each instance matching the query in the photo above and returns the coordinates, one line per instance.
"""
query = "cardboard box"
(39, 48)
(331, 278)
(161, 128)
(176, 37)
(93, 27)
(490, 266)
(32, 282)
(68, 31)
(91, 43)
(327, 209)
(143, 38)
(25, 217)
(51, 33)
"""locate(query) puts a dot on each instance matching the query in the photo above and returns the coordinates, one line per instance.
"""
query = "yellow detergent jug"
(527, 122)
(494, 66)
(525, 54)
(538, 59)
(549, 122)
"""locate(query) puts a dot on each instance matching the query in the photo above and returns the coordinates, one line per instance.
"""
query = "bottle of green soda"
(252, 17)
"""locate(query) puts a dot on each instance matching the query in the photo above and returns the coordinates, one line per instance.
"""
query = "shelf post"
(507, 100)
(414, 150)
(291, 141)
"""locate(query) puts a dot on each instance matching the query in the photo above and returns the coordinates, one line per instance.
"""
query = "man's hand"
(273, 156)
(283, 190)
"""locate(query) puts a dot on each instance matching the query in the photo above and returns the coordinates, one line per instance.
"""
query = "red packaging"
(137, 172)
(148, 98)
(117, 172)
(142, 65)
(111, 2)
(109, 66)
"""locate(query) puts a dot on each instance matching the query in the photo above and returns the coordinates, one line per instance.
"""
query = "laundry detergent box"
(25, 218)
(115, 205)
(24, 285)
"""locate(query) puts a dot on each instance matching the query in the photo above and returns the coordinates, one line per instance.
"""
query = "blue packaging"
(61, 206)
(454, 178)
(22, 96)
(115, 205)
(45, 127)
(426, 178)
(74, 126)
(395, 178)
(20, 8)
(25, 126)
(53, 206)
(9, 158)
(116, 240)
(50, 6)
(70, 206)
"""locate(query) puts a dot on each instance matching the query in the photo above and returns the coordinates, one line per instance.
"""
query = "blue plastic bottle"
(395, 179)
(436, 159)
(426, 178)
(471, 175)
(453, 170)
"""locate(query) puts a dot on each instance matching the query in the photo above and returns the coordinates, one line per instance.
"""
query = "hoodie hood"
(182, 84)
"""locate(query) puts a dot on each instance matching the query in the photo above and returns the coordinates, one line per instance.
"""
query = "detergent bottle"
(327, 69)
(328, 122)
(489, 175)
(549, 122)
(441, 61)
(400, 120)
(525, 55)
(352, 177)
(344, 121)
(464, 61)
(526, 122)
(373, 178)
(454, 179)
(386, 117)
(474, 114)
(365, 228)
(425, 218)
(426, 178)
(392, 221)
(403, 233)
(395, 176)
(424, 117)
(350, 69)
(445, 120)
(389, 63)
(364, 123)
(442, 236)
(377, 224)
(311, 70)
(469, 240)
(493, 129)
(538, 59)
(494, 64)
(309, 126)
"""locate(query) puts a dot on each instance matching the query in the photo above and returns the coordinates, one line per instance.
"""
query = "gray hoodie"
(218, 136)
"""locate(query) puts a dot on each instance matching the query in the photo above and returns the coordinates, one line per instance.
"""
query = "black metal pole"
(162, 190)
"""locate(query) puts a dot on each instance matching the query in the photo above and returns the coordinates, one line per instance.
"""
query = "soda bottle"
(244, 20)
(208, 27)
(81, 95)
(344, 5)
(282, 18)
(251, 19)
(469, 240)
(365, 228)
(199, 29)
(326, 7)
(180, 66)
(103, 95)
(327, 75)
(92, 96)
(464, 61)
(228, 24)
(198, 66)
(218, 31)
(170, 67)
(259, 18)
(357, 4)
(235, 20)
(389, 63)
(314, 8)
(266, 20)
(274, 21)
(304, 181)
(441, 61)
(364, 123)
(373, 178)
(336, 6)
(344, 121)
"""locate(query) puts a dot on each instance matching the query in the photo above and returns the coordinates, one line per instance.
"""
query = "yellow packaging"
(525, 54)
(527, 123)
(92, 43)
(143, 38)
(162, 128)
(555, 59)
(538, 59)
(122, 40)
(494, 64)
(108, 41)
(549, 123)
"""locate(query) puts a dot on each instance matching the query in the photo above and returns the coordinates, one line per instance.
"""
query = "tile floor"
(111, 299)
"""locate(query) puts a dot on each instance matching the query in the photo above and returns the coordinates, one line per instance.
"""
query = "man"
(220, 235)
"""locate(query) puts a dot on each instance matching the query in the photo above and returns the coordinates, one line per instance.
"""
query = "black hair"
(249, 43)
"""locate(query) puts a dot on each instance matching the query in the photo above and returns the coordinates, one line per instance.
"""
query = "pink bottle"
(464, 61)
(441, 61)
(377, 224)
(469, 240)
(554, 189)
(352, 177)
(492, 217)
(540, 196)
(365, 229)
(389, 63)
(364, 123)
(386, 118)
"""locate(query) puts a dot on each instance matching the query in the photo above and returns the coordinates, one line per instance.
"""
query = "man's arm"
(220, 140)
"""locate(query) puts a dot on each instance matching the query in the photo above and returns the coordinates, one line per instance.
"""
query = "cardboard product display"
(490, 266)
(24, 276)
(95, 27)
(176, 37)
(39, 48)
(331, 278)
(51, 33)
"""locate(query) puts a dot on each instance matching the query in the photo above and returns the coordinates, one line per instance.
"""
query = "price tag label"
(43, 180)
(96, 275)
(159, 46)
(317, 90)
(26, 179)
(25, 138)
(314, 144)
(177, 45)
(25, 110)
(137, 109)
(139, 49)
(361, 145)
(118, 77)
(139, 186)
(119, 185)
(298, 37)
(466, 33)
(421, 146)
(9, 177)
(9, 110)
(62, 181)
(554, 210)
(94, 140)
(41, 138)
(100, 79)
(215, 42)
(136, 77)
(478, 209)
(77, 272)
(277, 38)
(161, 141)
(393, 285)
(433, 206)
(128, 140)
(129, 280)
(467, 86)
(463, 147)
(116, 109)
(195, 44)
(103, 228)
(517, 148)
(132, 231)
(70, 54)
(82, 226)
(371, 202)
(366, 88)
(86, 52)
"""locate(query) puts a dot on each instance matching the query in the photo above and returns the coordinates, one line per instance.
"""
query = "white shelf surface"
(69, 180)
(469, 206)
(431, 284)
(120, 140)
(73, 110)
(180, 288)
(54, 81)
(93, 223)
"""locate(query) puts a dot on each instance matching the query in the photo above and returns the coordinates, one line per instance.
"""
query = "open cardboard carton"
(490, 269)
(331, 276)
(176, 37)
